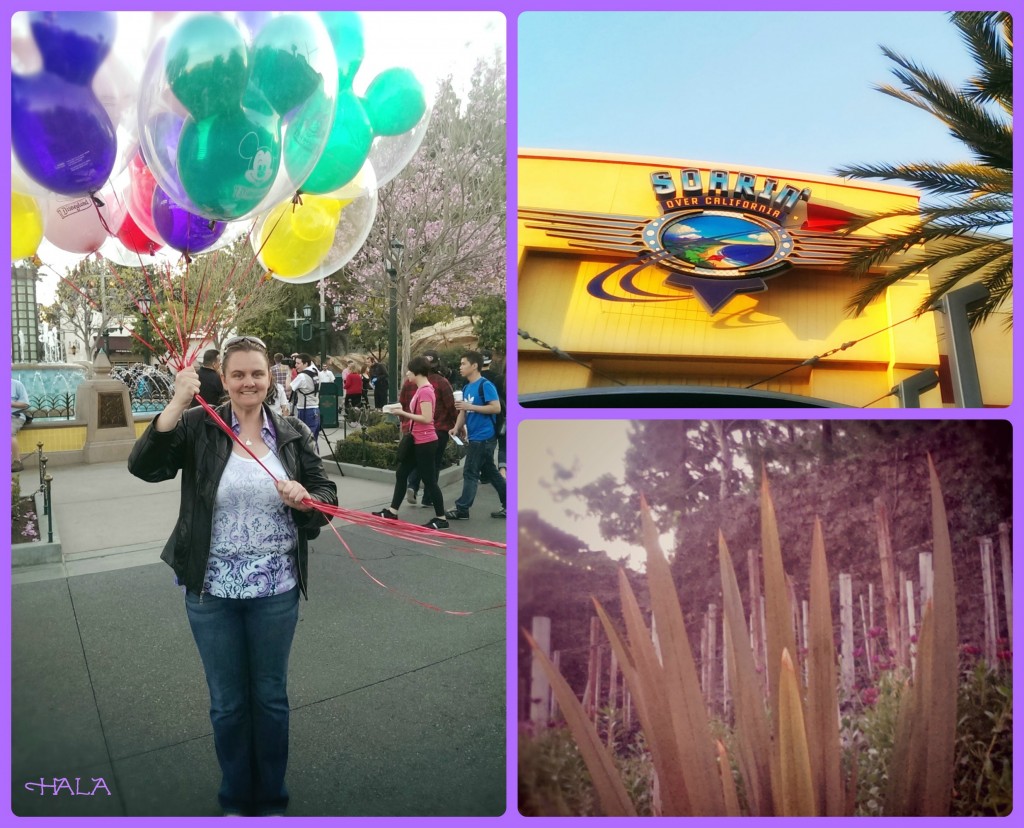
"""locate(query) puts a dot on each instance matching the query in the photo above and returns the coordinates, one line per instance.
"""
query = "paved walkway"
(396, 710)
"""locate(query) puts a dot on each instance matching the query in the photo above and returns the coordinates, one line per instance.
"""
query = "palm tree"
(962, 228)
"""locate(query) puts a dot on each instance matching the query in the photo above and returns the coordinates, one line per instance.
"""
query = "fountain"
(51, 387)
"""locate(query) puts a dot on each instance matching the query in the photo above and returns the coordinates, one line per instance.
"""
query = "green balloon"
(346, 32)
(280, 62)
(206, 65)
(306, 134)
(394, 102)
(347, 147)
(228, 162)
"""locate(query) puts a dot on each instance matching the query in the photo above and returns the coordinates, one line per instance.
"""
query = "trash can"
(329, 405)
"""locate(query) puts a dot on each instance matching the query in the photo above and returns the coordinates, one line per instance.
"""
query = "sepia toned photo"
(765, 618)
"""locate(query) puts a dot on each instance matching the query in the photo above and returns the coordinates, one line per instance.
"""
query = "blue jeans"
(479, 466)
(311, 417)
(244, 644)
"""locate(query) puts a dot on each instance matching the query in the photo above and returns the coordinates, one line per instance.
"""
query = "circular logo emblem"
(718, 245)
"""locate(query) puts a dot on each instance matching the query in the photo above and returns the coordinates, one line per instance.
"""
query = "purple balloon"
(73, 43)
(182, 230)
(61, 134)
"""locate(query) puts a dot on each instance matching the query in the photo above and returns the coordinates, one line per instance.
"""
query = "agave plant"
(786, 746)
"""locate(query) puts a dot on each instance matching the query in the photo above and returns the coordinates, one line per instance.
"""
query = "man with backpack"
(478, 410)
(306, 391)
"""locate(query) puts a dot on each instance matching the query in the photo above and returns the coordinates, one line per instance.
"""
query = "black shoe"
(426, 504)
(436, 523)
(456, 514)
(385, 513)
(499, 514)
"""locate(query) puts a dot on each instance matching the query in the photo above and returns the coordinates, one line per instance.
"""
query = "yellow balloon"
(296, 238)
(26, 226)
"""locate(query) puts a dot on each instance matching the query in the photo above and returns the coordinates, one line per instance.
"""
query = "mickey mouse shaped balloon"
(62, 136)
(216, 109)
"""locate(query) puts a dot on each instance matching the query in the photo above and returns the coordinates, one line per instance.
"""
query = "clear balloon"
(138, 195)
(390, 153)
(348, 146)
(26, 226)
(230, 127)
(296, 237)
(290, 260)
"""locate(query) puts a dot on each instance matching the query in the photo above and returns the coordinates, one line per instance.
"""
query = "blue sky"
(789, 90)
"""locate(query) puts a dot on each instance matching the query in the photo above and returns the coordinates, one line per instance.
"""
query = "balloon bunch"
(238, 123)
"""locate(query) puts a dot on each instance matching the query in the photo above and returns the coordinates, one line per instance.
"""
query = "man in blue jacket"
(478, 411)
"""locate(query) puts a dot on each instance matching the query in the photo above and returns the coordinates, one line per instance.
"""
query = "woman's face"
(246, 378)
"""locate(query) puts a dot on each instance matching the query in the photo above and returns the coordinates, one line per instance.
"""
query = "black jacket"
(200, 449)
(211, 388)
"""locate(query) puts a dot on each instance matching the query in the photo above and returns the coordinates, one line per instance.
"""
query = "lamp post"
(144, 304)
(392, 262)
(307, 323)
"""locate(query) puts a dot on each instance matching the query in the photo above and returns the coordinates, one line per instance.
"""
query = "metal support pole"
(910, 390)
(47, 501)
(323, 325)
(963, 364)
(393, 382)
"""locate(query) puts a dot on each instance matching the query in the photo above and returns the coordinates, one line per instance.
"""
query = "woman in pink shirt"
(421, 458)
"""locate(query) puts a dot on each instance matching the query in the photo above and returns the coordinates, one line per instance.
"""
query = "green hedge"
(382, 453)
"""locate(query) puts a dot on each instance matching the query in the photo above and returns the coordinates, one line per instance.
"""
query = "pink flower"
(869, 696)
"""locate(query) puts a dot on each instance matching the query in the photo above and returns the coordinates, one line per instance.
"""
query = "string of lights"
(565, 355)
(814, 360)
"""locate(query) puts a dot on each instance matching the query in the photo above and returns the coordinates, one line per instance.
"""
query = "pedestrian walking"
(417, 448)
(478, 408)
(239, 550)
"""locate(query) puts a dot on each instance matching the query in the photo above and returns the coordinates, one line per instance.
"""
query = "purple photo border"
(512, 9)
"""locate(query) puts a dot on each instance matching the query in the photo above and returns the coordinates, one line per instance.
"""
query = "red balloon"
(134, 239)
(139, 197)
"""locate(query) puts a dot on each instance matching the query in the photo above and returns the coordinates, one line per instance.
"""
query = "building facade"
(674, 273)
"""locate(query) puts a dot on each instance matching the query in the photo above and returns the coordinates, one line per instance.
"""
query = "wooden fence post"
(892, 617)
(1007, 566)
(867, 638)
(613, 690)
(902, 652)
(754, 582)
(927, 575)
(911, 626)
(712, 656)
(991, 613)
(540, 689)
(593, 697)
(557, 661)
(846, 631)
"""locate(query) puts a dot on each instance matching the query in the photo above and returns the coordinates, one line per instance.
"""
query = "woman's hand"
(292, 493)
(186, 386)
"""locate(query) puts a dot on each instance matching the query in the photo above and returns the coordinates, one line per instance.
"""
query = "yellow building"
(688, 277)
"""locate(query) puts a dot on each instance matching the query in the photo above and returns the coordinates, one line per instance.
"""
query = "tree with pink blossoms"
(446, 208)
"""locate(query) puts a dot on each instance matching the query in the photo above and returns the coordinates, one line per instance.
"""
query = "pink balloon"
(75, 225)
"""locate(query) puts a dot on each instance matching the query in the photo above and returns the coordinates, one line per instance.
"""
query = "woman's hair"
(419, 366)
(242, 343)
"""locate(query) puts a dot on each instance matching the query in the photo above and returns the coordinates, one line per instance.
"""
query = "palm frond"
(936, 178)
(989, 37)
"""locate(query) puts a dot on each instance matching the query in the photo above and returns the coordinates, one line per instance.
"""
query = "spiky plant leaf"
(752, 737)
(689, 715)
(822, 711)
(607, 783)
(650, 696)
(732, 801)
(778, 617)
(796, 787)
(926, 725)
